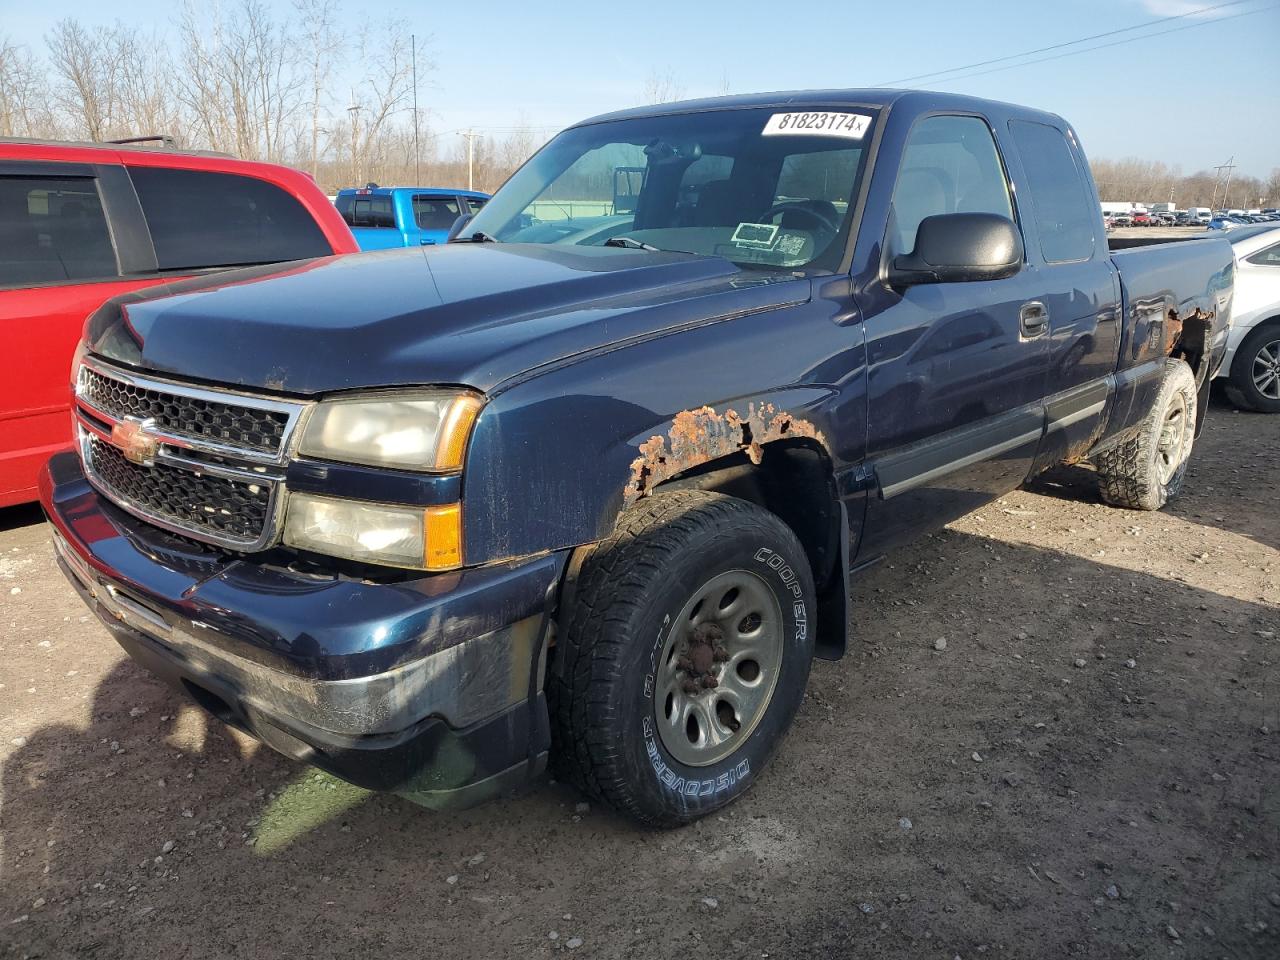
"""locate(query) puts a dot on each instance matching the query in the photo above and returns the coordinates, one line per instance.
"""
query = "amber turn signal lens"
(454, 432)
(443, 528)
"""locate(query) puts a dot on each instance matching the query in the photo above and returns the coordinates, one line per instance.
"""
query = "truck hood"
(473, 314)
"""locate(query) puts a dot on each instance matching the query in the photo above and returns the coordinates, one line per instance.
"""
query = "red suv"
(83, 222)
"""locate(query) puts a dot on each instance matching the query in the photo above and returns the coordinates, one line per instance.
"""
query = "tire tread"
(612, 584)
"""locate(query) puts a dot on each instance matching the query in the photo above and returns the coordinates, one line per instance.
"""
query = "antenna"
(354, 111)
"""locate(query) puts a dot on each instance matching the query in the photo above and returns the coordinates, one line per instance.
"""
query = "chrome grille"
(233, 511)
(197, 418)
(212, 467)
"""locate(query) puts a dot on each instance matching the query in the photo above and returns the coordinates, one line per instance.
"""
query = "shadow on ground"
(156, 832)
(23, 515)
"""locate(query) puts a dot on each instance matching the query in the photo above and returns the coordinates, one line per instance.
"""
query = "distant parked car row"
(1197, 216)
(1227, 221)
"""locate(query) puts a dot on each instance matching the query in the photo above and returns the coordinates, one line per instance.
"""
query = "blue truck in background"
(587, 485)
(382, 218)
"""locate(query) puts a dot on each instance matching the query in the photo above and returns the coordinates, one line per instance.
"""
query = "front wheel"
(682, 656)
(1254, 381)
(1147, 471)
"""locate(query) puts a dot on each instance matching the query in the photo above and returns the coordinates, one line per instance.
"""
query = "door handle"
(1033, 320)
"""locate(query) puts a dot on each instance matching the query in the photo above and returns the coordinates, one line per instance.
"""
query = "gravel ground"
(1089, 766)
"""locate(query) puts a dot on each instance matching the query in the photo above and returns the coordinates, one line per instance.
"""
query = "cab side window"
(435, 213)
(53, 229)
(949, 165)
(1270, 257)
(1062, 204)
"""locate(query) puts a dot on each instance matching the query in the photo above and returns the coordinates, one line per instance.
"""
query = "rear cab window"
(1061, 201)
(367, 210)
(199, 219)
(53, 230)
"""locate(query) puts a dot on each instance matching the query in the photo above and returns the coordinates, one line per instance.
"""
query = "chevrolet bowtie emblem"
(131, 438)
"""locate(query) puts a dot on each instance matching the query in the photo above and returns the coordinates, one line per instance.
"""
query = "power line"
(1103, 46)
(1068, 43)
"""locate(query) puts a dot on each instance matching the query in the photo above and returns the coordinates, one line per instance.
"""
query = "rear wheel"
(1147, 471)
(682, 656)
(1254, 381)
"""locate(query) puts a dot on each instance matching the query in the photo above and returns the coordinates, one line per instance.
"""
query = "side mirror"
(458, 226)
(959, 247)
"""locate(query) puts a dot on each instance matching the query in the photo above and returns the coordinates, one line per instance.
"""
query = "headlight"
(425, 538)
(426, 431)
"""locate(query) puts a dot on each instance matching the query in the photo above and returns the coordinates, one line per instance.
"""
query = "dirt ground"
(1090, 768)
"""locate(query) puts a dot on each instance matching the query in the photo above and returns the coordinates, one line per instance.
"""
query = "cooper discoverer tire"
(1147, 471)
(682, 656)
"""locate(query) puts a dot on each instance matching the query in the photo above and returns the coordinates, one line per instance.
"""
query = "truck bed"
(1128, 243)
(1176, 301)
(1184, 274)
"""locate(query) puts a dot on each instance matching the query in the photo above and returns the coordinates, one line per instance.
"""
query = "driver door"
(956, 371)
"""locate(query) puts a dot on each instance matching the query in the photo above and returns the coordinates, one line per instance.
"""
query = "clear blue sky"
(1191, 97)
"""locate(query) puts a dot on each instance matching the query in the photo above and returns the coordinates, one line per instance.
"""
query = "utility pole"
(1226, 190)
(471, 139)
(417, 176)
(1229, 166)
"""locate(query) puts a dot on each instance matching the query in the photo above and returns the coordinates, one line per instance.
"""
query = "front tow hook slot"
(124, 607)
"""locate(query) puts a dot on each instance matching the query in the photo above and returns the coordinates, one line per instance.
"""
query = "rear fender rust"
(1187, 338)
(703, 435)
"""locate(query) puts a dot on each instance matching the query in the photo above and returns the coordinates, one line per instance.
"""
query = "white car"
(1251, 367)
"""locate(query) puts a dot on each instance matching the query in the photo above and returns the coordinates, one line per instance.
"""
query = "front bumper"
(428, 687)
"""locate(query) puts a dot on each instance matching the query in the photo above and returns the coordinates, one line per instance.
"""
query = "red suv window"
(52, 229)
(199, 219)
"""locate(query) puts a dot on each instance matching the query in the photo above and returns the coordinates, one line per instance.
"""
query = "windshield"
(764, 188)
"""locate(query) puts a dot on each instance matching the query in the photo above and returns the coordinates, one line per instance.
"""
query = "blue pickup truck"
(386, 217)
(593, 496)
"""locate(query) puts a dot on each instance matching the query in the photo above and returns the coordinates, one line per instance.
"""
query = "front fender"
(556, 458)
(560, 471)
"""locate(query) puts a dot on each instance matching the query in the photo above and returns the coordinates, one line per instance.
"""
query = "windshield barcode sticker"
(851, 126)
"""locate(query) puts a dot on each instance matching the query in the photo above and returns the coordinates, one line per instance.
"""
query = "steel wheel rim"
(703, 727)
(1173, 438)
(1266, 370)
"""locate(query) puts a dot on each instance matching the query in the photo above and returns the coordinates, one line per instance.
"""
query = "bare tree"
(516, 147)
(24, 107)
(240, 82)
(661, 87)
(384, 92)
(144, 87)
(86, 67)
(323, 56)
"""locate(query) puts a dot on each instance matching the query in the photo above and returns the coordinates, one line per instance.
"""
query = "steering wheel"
(814, 216)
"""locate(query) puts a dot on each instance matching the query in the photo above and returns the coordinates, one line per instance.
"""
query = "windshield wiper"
(631, 243)
(478, 237)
